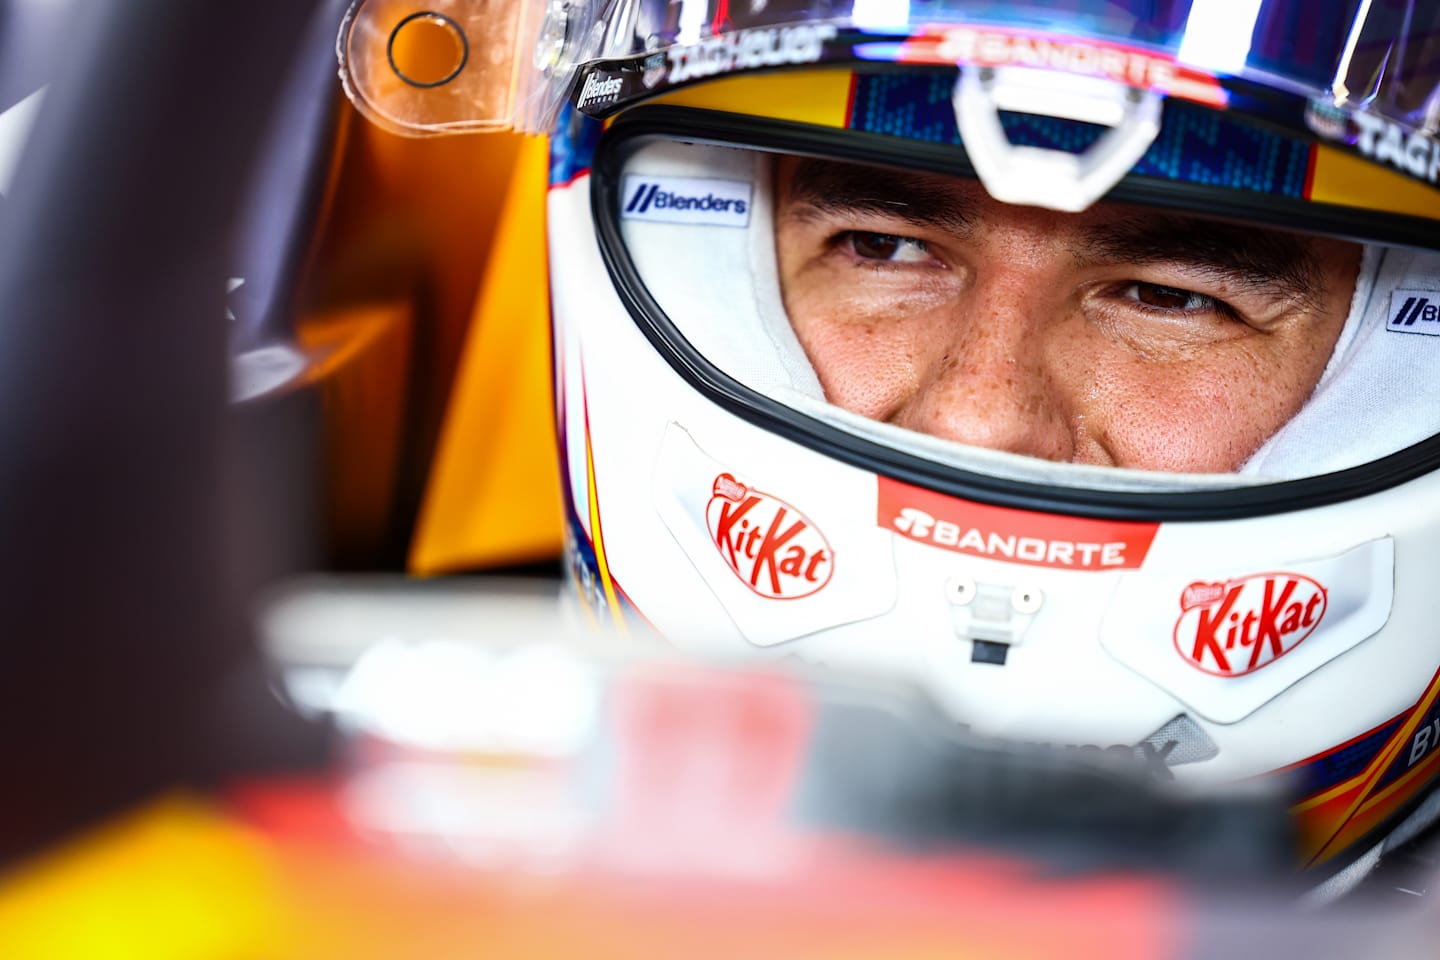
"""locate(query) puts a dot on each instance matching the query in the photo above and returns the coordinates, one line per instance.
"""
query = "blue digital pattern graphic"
(1335, 768)
(1195, 145)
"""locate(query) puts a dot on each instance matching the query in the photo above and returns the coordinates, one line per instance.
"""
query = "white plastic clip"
(1039, 177)
(991, 612)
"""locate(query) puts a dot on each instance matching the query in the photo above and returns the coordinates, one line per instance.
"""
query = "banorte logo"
(1236, 627)
(1014, 536)
(774, 548)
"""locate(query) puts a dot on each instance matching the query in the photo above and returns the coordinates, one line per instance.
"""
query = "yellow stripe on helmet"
(817, 97)
(1350, 181)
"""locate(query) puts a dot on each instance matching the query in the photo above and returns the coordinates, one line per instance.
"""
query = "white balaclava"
(1379, 393)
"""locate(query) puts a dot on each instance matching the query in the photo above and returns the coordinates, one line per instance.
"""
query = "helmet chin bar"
(1038, 177)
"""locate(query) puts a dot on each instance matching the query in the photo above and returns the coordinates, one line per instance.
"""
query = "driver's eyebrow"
(830, 187)
(1266, 262)
(1269, 263)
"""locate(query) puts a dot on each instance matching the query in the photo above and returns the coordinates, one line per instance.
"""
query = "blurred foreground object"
(121, 590)
(503, 792)
(494, 687)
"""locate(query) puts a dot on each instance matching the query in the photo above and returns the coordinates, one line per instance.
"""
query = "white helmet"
(1078, 358)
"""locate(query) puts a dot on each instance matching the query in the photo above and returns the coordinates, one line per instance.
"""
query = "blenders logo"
(722, 203)
(1236, 627)
(748, 50)
(1414, 311)
(654, 195)
(599, 90)
(774, 548)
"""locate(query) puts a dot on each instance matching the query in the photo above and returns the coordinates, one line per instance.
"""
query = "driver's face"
(1117, 336)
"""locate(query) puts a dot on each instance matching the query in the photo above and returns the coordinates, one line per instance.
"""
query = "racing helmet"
(1081, 358)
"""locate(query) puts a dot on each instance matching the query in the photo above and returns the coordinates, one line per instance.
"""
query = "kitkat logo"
(1017, 536)
(774, 548)
(1236, 627)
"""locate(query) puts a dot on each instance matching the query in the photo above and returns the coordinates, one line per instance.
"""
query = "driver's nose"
(992, 377)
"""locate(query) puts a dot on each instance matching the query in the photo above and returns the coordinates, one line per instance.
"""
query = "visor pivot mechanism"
(554, 31)
(1037, 176)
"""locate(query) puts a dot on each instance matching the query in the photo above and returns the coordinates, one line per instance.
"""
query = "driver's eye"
(885, 246)
(1169, 298)
(877, 246)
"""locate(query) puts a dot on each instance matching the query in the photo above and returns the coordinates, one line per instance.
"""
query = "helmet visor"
(1126, 348)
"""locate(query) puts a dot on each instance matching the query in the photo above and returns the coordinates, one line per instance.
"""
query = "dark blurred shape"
(896, 774)
(120, 604)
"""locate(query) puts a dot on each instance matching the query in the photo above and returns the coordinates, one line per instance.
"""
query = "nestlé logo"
(1233, 628)
(774, 548)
